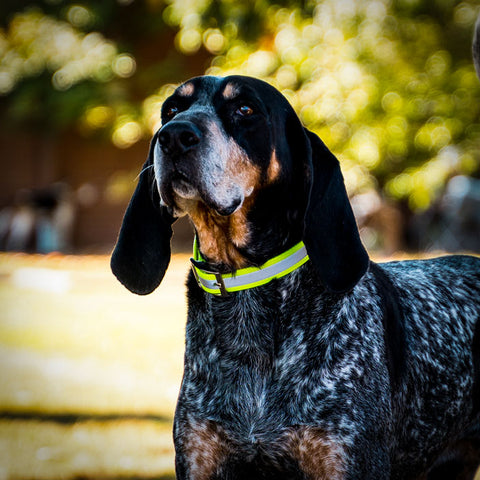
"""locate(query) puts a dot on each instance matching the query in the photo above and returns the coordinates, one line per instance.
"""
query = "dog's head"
(233, 156)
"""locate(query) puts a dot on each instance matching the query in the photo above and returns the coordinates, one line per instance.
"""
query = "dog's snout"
(179, 137)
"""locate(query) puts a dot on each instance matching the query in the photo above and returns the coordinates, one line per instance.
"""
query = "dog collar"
(222, 284)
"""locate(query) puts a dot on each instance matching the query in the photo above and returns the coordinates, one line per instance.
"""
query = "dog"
(304, 359)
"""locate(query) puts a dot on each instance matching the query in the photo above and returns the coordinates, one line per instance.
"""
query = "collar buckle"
(220, 284)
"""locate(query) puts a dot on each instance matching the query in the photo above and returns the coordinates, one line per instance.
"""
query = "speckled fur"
(267, 360)
(342, 370)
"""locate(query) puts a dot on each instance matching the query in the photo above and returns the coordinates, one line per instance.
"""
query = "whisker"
(153, 191)
(144, 170)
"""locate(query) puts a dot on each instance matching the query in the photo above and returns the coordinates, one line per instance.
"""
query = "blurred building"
(67, 194)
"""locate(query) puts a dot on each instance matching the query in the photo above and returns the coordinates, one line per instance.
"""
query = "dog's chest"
(293, 454)
(262, 363)
(232, 355)
(246, 395)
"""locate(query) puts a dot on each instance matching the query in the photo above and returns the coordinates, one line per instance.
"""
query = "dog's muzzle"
(192, 163)
(178, 138)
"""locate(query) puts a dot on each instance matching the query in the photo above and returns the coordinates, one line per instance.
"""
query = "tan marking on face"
(230, 91)
(274, 168)
(206, 448)
(317, 454)
(220, 237)
(186, 90)
(241, 169)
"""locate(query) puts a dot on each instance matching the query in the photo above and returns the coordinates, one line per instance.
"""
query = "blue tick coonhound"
(304, 359)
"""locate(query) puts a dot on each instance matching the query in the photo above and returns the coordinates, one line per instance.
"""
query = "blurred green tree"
(388, 84)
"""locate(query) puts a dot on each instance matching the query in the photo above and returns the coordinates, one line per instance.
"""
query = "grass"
(76, 345)
(86, 449)
(127, 349)
(89, 372)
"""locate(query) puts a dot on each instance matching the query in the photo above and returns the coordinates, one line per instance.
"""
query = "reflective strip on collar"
(251, 277)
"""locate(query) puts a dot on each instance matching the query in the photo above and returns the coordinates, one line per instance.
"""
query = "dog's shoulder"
(431, 303)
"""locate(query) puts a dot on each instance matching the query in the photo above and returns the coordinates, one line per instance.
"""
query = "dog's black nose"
(179, 137)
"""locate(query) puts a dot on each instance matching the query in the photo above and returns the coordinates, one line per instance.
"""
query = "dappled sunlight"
(373, 80)
(35, 42)
(353, 84)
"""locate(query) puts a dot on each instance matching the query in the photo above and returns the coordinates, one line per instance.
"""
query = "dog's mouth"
(182, 194)
(182, 186)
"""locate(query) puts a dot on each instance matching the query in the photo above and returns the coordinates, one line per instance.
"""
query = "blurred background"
(88, 372)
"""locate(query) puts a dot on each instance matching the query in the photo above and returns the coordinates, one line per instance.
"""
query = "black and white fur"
(343, 369)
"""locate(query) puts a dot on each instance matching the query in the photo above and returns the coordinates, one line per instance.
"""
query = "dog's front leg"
(201, 449)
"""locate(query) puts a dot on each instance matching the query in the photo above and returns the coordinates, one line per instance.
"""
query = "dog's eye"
(244, 111)
(170, 112)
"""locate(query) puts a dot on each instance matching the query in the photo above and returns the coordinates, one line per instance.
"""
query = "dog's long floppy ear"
(142, 253)
(330, 231)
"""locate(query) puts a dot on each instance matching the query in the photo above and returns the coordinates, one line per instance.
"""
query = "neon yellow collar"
(222, 284)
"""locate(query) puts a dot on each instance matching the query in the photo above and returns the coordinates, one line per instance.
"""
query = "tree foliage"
(388, 84)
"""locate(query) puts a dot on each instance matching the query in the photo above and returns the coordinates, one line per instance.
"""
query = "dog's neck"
(234, 242)
(221, 238)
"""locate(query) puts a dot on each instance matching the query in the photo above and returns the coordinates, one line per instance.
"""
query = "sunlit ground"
(89, 372)
(76, 345)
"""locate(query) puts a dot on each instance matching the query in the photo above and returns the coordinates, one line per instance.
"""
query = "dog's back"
(441, 318)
